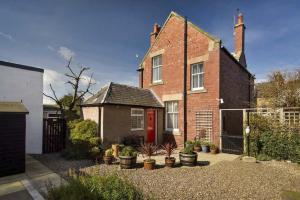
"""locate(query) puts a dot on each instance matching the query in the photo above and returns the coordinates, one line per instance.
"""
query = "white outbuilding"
(21, 83)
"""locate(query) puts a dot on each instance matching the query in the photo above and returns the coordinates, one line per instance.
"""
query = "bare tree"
(74, 80)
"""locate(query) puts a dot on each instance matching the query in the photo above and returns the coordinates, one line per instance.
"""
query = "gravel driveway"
(224, 180)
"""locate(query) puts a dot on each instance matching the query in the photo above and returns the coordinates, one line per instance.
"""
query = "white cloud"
(51, 48)
(7, 36)
(65, 52)
(57, 80)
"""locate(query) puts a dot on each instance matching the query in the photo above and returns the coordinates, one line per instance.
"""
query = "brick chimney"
(239, 40)
(153, 35)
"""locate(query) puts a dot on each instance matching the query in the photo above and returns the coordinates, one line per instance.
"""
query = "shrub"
(109, 152)
(270, 140)
(109, 187)
(189, 148)
(197, 143)
(148, 149)
(83, 139)
(128, 151)
(169, 149)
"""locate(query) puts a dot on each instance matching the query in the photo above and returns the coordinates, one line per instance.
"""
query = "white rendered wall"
(26, 85)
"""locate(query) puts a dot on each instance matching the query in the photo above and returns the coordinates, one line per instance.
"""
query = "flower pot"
(205, 148)
(127, 162)
(188, 159)
(170, 161)
(149, 164)
(214, 151)
(197, 149)
(108, 159)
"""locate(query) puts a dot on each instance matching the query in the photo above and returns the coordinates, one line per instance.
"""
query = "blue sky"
(107, 35)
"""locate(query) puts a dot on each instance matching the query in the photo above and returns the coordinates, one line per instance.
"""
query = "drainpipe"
(185, 84)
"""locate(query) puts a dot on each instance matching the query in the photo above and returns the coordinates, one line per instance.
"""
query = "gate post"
(221, 128)
(245, 124)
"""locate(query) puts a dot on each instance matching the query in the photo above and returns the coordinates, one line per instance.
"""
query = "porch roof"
(120, 94)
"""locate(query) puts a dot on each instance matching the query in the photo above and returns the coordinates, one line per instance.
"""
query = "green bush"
(83, 139)
(189, 148)
(128, 151)
(109, 187)
(271, 140)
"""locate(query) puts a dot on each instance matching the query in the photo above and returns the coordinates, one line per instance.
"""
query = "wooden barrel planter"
(127, 162)
(188, 159)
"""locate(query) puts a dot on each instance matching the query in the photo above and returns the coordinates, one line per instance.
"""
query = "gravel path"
(224, 180)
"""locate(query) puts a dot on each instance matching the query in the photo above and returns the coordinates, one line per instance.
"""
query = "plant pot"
(214, 151)
(149, 164)
(205, 148)
(188, 159)
(127, 162)
(170, 161)
(108, 159)
(197, 149)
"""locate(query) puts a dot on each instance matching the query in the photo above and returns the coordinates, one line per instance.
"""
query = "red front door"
(151, 126)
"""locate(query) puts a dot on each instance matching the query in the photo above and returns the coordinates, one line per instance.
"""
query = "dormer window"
(197, 76)
(156, 69)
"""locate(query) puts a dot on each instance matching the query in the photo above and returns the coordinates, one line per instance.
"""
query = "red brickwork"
(170, 41)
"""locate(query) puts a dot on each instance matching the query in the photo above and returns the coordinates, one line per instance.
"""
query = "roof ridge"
(131, 86)
(107, 90)
(173, 13)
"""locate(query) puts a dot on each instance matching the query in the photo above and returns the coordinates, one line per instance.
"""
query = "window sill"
(203, 90)
(172, 132)
(156, 83)
(137, 129)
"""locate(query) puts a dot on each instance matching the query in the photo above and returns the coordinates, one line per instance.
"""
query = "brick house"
(185, 78)
(195, 76)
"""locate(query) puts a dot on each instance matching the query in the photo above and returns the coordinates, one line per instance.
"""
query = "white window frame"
(198, 75)
(137, 115)
(173, 130)
(159, 67)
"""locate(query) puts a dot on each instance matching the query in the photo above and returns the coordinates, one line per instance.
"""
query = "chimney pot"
(153, 35)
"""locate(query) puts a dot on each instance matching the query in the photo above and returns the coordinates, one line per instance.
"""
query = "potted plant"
(169, 148)
(108, 156)
(187, 156)
(127, 157)
(205, 147)
(148, 150)
(214, 149)
(197, 146)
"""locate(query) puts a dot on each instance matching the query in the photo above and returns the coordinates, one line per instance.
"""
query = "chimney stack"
(239, 39)
(153, 35)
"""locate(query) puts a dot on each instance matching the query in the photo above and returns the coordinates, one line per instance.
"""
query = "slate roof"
(13, 107)
(120, 94)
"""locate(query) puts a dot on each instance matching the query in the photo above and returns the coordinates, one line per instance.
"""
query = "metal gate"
(54, 135)
(232, 140)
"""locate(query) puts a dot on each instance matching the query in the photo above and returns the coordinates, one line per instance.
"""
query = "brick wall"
(219, 69)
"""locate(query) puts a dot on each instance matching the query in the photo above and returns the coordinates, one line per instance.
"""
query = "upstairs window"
(156, 69)
(197, 76)
(172, 115)
(137, 119)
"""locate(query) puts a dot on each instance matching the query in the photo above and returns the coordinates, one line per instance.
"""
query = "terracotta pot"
(127, 162)
(214, 151)
(197, 149)
(170, 162)
(149, 164)
(188, 159)
(108, 159)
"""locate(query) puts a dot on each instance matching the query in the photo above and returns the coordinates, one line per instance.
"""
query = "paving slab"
(20, 195)
(31, 184)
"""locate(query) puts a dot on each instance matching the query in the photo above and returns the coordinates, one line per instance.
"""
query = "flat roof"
(12, 107)
(19, 66)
